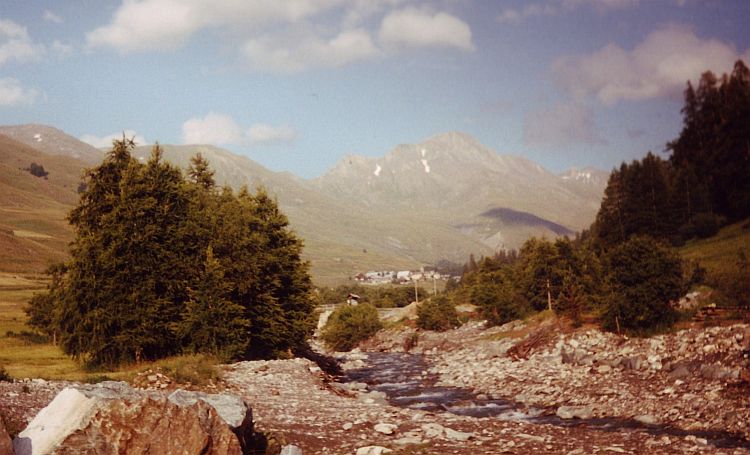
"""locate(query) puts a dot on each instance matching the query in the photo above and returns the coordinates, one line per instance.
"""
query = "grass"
(718, 254)
(23, 356)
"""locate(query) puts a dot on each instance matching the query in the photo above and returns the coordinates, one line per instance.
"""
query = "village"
(376, 278)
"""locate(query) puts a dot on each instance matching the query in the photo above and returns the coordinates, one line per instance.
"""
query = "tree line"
(164, 263)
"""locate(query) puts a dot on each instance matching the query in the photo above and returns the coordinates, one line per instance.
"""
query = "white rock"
(575, 412)
(347, 426)
(457, 435)
(291, 450)
(385, 428)
(433, 430)
(68, 412)
(373, 450)
(646, 419)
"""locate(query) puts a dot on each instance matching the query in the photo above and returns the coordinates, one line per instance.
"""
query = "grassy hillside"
(719, 253)
(33, 228)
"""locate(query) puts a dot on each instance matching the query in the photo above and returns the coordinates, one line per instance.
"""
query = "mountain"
(33, 228)
(444, 198)
(53, 141)
(453, 180)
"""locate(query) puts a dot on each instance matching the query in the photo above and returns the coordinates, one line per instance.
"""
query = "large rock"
(112, 417)
(575, 412)
(6, 446)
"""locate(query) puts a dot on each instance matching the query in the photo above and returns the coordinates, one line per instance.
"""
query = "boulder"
(6, 445)
(291, 450)
(575, 412)
(112, 417)
(385, 428)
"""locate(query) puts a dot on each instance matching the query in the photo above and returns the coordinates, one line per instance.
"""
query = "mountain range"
(443, 198)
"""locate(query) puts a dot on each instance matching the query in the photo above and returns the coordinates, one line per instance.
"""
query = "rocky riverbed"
(693, 381)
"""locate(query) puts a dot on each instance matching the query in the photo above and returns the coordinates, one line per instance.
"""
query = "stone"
(291, 450)
(433, 430)
(111, 414)
(347, 426)
(530, 437)
(6, 445)
(385, 428)
(646, 419)
(575, 412)
(373, 450)
(602, 369)
(456, 435)
(680, 371)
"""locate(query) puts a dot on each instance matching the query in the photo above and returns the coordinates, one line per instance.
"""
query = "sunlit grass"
(718, 254)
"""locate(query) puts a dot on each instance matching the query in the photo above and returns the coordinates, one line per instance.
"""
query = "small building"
(352, 299)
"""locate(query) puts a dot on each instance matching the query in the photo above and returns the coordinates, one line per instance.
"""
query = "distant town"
(401, 277)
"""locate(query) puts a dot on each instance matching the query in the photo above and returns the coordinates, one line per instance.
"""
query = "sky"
(297, 84)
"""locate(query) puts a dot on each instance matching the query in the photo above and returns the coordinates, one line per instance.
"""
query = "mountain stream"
(407, 382)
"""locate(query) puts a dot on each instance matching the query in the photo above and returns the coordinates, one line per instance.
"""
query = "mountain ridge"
(430, 201)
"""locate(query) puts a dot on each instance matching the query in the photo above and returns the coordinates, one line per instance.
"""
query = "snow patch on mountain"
(38, 137)
(426, 166)
(377, 170)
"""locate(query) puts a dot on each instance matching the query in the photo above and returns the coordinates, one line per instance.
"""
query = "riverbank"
(696, 380)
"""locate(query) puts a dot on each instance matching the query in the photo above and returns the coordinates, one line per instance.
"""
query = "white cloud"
(659, 66)
(561, 125)
(414, 28)
(12, 93)
(106, 141)
(262, 133)
(61, 49)
(142, 25)
(49, 16)
(215, 129)
(276, 53)
(15, 43)
(222, 129)
(553, 7)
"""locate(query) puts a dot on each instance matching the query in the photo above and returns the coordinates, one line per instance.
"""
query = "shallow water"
(407, 382)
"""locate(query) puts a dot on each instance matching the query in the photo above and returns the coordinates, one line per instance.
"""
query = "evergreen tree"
(210, 322)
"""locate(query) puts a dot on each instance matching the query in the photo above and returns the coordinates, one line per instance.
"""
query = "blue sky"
(297, 84)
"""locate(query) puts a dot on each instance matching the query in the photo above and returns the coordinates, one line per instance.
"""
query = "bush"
(437, 314)
(37, 170)
(349, 325)
(5, 376)
(498, 301)
(645, 277)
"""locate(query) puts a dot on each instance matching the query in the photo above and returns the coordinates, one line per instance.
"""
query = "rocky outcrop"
(6, 446)
(112, 417)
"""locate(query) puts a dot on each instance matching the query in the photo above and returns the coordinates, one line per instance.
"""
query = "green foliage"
(645, 277)
(437, 314)
(349, 325)
(499, 301)
(162, 265)
(733, 284)
(37, 170)
(379, 296)
(210, 322)
(5, 376)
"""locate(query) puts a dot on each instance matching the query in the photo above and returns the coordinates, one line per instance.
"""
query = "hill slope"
(33, 228)
(442, 199)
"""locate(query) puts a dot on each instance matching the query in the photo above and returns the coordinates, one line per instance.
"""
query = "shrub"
(5, 376)
(437, 314)
(349, 325)
(498, 301)
(645, 277)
